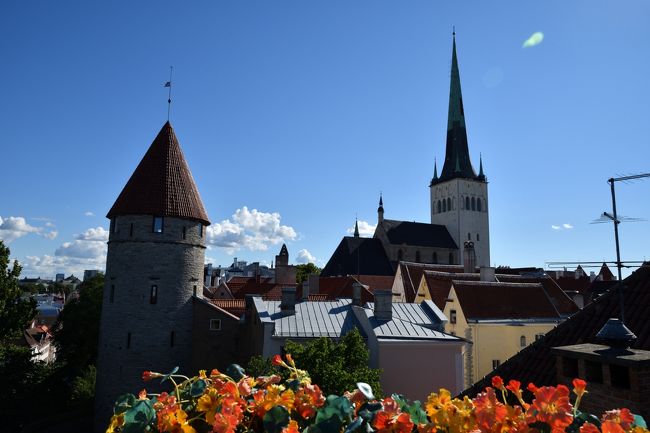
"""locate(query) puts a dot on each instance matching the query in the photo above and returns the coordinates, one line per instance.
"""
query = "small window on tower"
(448, 203)
(467, 203)
(153, 298)
(469, 236)
(215, 324)
(522, 341)
(478, 238)
(473, 203)
(439, 207)
(444, 205)
(452, 316)
(200, 230)
(157, 224)
(478, 205)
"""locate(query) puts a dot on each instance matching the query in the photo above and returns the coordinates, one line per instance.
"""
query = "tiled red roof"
(233, 306)
(482, 300)
(331, 288)
(376, 282)
(439, 284)
(558, 297)
(536, 363)
(162, 184)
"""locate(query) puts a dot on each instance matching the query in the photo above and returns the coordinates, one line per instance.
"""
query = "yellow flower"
(116, 422)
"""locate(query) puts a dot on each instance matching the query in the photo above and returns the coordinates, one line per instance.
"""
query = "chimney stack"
(383, 305)
(469, 257)
(356, 293)
(488, 274)
(288, 304)
(305, 290)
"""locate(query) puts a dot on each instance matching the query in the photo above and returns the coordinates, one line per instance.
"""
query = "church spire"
(356, 228)
(380, 209)
(457, 161)
(481, 175)
(435, 170)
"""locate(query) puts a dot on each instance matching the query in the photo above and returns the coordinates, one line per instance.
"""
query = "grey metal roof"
(334, 319)
(311, 319)
(409, 322)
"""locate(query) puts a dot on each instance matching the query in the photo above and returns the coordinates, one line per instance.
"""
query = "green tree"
(16, 313)
(336, 367)
(303, 271)
(77, 331)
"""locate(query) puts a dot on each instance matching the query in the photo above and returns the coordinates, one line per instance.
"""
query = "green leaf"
(197, 388)
(276, 419)
(339, 407)
(123, 403)
(235, 371)
(169, 375)
(137, 418)
(639, 421)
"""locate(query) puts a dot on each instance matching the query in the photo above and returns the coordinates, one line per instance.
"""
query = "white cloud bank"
(250, 229)
(365, 228)
(86, 251)
(304, 256)
(12, 228)
(534, 39)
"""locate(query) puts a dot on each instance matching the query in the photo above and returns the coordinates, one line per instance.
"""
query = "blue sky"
(294, 115)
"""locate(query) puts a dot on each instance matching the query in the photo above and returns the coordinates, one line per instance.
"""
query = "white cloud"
(554, 227)
(305, 256)
(365, 228)
(534, 39)
(86, 251)
(250, 229)
(12, 228)
(89, 213)
(565, 226)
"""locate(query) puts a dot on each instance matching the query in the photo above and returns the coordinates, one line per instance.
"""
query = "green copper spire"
(457, 161)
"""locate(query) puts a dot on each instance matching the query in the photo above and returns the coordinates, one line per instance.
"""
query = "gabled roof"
(364, 256)
(560, 300)
(481, 300)
(439, 284)
(536, 363)
(605, 273)
(162, 184)
(332, 288)
(412, 272)
(418, 234)
(410, 322)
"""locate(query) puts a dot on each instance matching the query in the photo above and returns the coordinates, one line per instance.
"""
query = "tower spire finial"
(435, 169)
(169, 97)
(356, 227)
(480, 171)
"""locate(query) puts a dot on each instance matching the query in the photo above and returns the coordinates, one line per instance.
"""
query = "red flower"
(619, 416)
(611, 427)
(277, 360)
(497, 382)
(488, 410)
(532, 387)
(552, 406)
(514, 386)
(579, 386)
(147, 376)
(589, 428)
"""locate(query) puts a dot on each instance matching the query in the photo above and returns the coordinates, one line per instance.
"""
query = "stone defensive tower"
(156, 251)
(459, 197)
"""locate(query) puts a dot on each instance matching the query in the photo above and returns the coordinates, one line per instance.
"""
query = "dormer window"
(157, 224)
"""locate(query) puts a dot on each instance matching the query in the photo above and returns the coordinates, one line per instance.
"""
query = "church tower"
(459, 197)
(156, 251)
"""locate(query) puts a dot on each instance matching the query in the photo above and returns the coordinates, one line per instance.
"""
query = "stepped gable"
(418, 234)
(482, 300)
(162, 184)
(358, 256)
(536, 363)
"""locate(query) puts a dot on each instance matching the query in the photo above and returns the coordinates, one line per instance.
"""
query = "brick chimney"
(288, 304)
(469, 257)
(383, 305)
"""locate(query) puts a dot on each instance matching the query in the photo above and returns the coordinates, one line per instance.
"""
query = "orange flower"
(611, 427)
(620, 416)
(224, 423)
(390, 420)
(277, 360)
(148, 375)
(291, 428)
(514, 386)
(488, 410)
(142, 395)
(579, 386)
(552, 406)
(589, 428)
(532, 388)
(308, 399)
(497, 382)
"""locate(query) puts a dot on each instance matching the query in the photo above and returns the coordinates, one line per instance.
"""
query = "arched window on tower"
(478, 205)
(435, 257)
(449, 203)
(439, 207)
(444, 205)
(478, 238)
(473, 203)
(451, 258)
(469, 236)
(400, 255)
(467, 203)
(417, 257)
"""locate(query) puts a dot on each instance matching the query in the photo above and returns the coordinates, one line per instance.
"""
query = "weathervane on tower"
(169, 97)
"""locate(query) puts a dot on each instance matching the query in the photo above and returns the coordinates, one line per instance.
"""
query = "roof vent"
(615, 334)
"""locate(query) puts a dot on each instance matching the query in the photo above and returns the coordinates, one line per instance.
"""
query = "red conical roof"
(162, 184)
